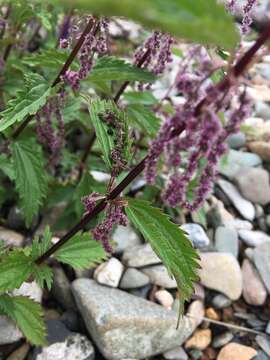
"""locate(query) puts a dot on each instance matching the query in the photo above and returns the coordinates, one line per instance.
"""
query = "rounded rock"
(109, 273)
(234, 351)
(254, 291)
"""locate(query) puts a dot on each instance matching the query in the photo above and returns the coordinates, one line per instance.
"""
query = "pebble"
(15, 219)
(262, 263)
(212, 314)
(262, 110)
(11, 238)
(158, 275)
(264, 343)
(196, 235)
(259, 211)
(267, 330)
(234, 351)
(196, 313)
(222, 339)
(254, 238)
(218, 215)
(253, 184)
(9, 333)
(109, 273)
(261, 148)
(221, 301)
(61, 289)
(199, 340)
(20, 353)
(254, 291)
(237, 140)
(249, 253)
(245, 207)
(125, 237)
(29, 289)
(177, 353)
(236, 160)
(140, 255)
(226, 240)
(75, 346)
(165, 298)
(134, 278)
(221, 272)
(261, 355)
(126, 326)
(239, 224)
(199, 292)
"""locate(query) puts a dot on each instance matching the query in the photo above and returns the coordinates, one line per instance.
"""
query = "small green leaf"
(41, 245)
(201, 21)
(43, 275)
(51, 58)
(28, 316)
(106, 140)
(169, 243)
(27, 102)
(111, 68)
(30, 176)
(81, 252)
(144, 118)
(15, 268)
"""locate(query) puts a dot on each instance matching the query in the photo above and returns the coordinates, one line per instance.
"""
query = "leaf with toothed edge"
(169, 242)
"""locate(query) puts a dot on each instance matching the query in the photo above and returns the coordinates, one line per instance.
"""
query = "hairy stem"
(237, 70)
(65, 67)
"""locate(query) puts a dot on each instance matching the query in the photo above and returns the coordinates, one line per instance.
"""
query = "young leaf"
(97, 109)
(81, 252)
(111, 68)
(6, 166)
(43, 275)
(30, 176)
(15, 268)
(169, 242)
(40, 246)
(28, 316)
(27, 102)
(144, 118)
(203, 21)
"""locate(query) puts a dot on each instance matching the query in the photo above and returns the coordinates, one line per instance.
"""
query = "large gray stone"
(245, 207)
(262, 262)
(254, 185)
(126, 326)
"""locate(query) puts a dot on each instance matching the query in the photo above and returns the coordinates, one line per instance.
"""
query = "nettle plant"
(78, 94)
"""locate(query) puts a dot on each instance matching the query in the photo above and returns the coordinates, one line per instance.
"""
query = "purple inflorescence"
(247, 19)
(114, 216)
(158, 50)
(96, 42)
(50, 134)
(191, 158)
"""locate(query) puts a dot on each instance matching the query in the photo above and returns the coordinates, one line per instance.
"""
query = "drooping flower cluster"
(192, 142)
(155, 53)
(96, 41)
(247, 12)
(50, 127)
(114, 216)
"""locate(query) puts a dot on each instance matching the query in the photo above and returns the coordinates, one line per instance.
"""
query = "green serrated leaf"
(6, 166)
(105, 139)
(81, 252)
(30, 176)
(51, 58)
(169, 242)
(144, 118)
(15, 268)
(28, 316)
(43, 275)
(27, 102)
(201, 21)
(111, 68)
(141, 97)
